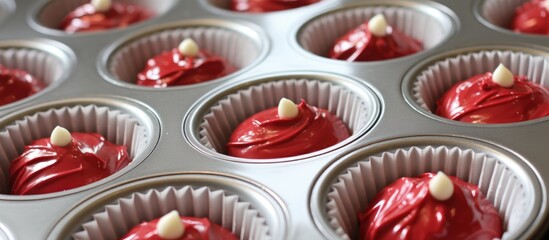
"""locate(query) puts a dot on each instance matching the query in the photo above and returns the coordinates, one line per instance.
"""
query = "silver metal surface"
(291, 182)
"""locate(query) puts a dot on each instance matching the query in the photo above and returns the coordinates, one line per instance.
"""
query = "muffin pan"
(179, 153)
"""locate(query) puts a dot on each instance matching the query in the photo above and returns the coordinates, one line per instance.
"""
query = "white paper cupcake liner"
(237, 44)
(357, 111)
(500, 12)
(116, 126)
(49, 66)
(352, 190)
(52, 14)
(437, 78)
(221, 208)
(429, 26)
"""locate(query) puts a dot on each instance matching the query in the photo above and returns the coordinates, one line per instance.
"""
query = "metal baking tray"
(289, 194)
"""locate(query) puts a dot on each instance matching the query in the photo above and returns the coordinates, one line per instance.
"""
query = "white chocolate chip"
(188, 47)
(378, 25)
(60, 137)
(101, 5)
(170, 226)
(287, 109)
(441, 187)
(503, 77)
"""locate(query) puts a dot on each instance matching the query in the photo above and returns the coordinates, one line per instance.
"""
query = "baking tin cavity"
(4, 234)
(47, 16)
(425, 83)
(429, 22)
(506, 179)
(241, 44)
(49, 61)
(498, 14)
(210, 122)
(247, 209)
(121, 121)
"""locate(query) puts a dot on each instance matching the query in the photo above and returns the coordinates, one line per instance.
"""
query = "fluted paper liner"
(220, 207)
(500, 12)
(117, 127)
(358, 185)
(236, 48)
(320, 34)
(44, 66)
(436, 79)
(53, 13)
(224, 116)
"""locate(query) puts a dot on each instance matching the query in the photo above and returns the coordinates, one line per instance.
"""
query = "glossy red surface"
(195, 229)
(46, 168)
(531, 17)
(16, 84)
(265, 135)
(86, 19)
(361, 45)
(173, 69)
(406, 210)
(258, 6)
(480, 100)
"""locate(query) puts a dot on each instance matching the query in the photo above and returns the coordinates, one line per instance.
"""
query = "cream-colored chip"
(546, 4)
(188, 47)
(101, 5)
(287, 109)
(170, 226)
(502, 76)
(441, 187)
(378, 25)
(60, 137)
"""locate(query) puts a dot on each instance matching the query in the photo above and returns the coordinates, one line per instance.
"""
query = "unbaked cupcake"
(348, 107)
(346, 32)
(103, 141)
(348, 188)
(521, 98)
(182, 54)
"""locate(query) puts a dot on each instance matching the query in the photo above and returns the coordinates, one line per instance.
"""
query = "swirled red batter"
(406, 210)
(16, 84)
(480, 100)
(195, 229)
(531, 17)
(87, 19)
(265, 135)
(173, 69)
(361, 45)
(258, 6)
(46, 168)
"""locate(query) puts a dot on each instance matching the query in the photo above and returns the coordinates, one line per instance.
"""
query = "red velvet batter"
(195, 229)
(46, 168)
(532, 18)
(86, 19)
(480, 100)
(406, 210)
(361, 45)
(258, 6)
(16, 84)
(174, 69)
(265, 135)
